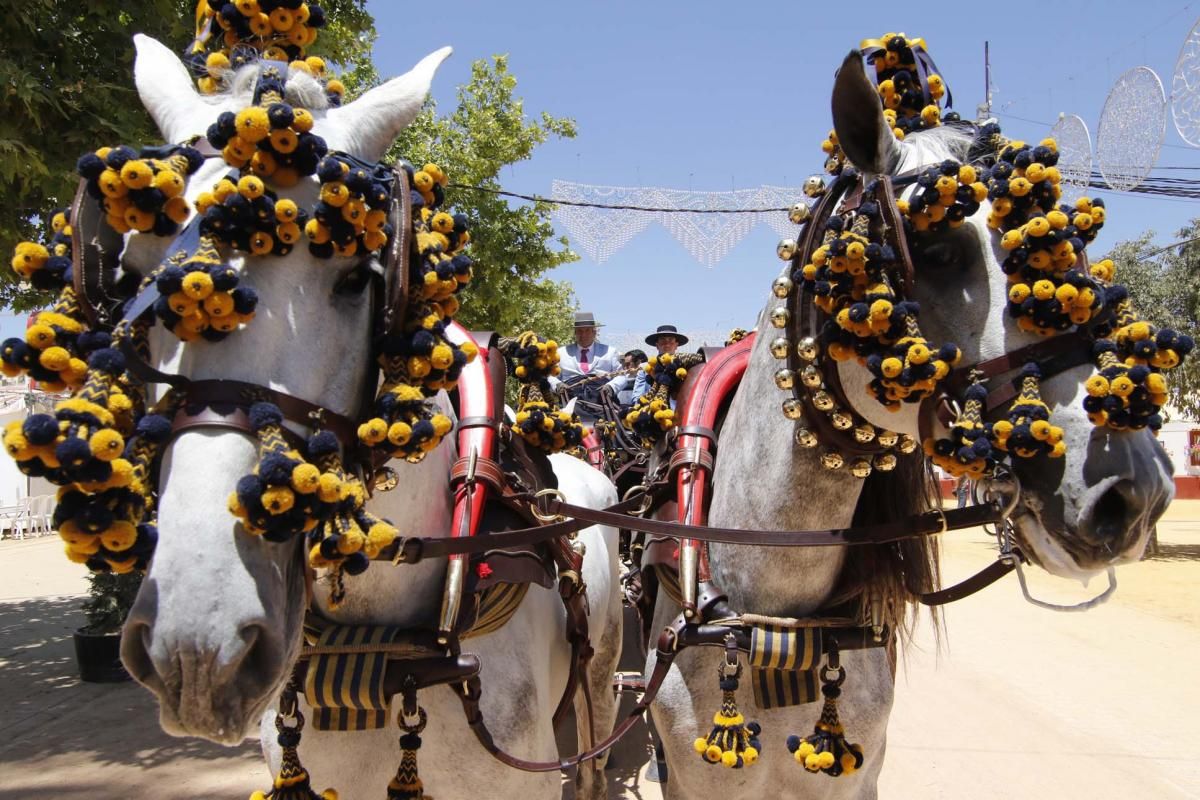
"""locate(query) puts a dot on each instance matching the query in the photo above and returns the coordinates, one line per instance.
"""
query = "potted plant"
(98, 643)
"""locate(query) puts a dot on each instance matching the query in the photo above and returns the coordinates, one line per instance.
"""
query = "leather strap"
(980, 580)
(413, 549)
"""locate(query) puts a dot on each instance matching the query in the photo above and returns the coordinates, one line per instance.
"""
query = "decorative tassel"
(201, 295)
(826, 749)
(539, 421)
(1027, 431)
(968, 449)
(407, 784)
(733, 742)
(292, 782)
(652, 416)
(348, 536)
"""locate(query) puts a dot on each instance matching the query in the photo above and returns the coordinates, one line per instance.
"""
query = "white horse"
(216, 628)
(1094, 508)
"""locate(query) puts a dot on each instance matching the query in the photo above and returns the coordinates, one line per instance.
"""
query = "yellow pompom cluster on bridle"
(848, 276)
(532, 360)
(290, 494)
(141, 192)
(652, 415)
(909, 87)
(352, 214)
(419, 360)
(277, 30)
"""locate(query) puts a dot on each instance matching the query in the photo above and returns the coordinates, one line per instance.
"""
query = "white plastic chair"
(41, 514)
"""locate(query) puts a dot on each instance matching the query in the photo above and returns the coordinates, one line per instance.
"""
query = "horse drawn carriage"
(395, 545)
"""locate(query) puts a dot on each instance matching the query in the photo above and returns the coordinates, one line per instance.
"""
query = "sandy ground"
(1017, 702)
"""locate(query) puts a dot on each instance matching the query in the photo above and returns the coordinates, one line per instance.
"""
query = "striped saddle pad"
(784, 664)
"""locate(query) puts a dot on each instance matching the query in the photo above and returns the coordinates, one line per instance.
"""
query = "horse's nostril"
(135, 655)
(261, 658)
(1111, 515)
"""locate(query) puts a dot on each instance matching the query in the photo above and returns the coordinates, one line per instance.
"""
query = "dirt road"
(1019, 702)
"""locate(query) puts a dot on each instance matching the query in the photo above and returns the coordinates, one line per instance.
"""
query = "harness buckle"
(535, 508)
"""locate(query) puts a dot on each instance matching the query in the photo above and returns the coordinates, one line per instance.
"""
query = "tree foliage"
(1165, 288)
(67, 72)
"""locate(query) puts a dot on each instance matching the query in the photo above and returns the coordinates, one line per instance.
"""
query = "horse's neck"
(420, 505)
(765, 480)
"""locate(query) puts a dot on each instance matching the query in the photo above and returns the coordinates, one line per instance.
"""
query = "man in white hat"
(585, 363)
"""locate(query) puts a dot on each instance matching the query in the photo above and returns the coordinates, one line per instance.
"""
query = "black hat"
(666, 330)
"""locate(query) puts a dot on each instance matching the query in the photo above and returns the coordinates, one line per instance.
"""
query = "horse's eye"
(940, 255)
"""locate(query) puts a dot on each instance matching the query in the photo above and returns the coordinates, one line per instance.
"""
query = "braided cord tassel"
(967, 451)
(407, 785)
(1027, 431)
(293, 781)
(732, 742)
(539, 421)
(826, 749)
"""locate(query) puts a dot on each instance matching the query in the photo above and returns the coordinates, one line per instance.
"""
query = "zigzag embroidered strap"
(783, 665)
(345, 689)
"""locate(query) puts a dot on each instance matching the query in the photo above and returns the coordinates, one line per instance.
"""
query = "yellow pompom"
(252, 123)
(373, 431)
(136, 174)
(399, 433)
(106, 444)
(197, 285)
(278, 499)
(119, 536)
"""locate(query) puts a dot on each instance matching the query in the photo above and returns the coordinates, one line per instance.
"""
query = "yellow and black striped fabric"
(497, 604)
(346, 690)
(784, 664)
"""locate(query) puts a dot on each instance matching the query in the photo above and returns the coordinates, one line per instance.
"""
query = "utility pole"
(984, 110)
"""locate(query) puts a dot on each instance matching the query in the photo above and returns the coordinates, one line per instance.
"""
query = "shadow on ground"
(1175, 552)
(48, 714)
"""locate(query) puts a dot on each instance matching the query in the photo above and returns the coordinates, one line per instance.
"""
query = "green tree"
(512, 244)
(1165, 287)
(67, 73)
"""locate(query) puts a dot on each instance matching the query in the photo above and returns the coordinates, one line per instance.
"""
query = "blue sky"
(717, 95)
(720, 95)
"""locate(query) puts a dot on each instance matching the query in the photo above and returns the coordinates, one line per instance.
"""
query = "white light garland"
(719, 220)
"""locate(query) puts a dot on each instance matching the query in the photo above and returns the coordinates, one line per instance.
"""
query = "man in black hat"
(666, 339)
(586, 363)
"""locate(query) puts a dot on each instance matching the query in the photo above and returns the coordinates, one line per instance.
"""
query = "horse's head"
(1076, 514)
(215, 630)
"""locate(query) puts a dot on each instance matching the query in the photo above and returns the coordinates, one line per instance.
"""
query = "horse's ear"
(167, 91)
(862, 132)
(372, 122)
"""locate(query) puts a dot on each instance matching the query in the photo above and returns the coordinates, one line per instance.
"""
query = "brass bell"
(779, 347)
(823, 401)
(860, 468)
(814, 186)
(782, 286)
(806, 438)
(578, 546)
(832, 459)
(808, 349)
(792, 408)
(865, 433)
(842, 420)
(799, 213)
(907, 444)
(780, 317)
(785, 378)
(885, 462)
(786, 249)
(810, 376)
(888, 438)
